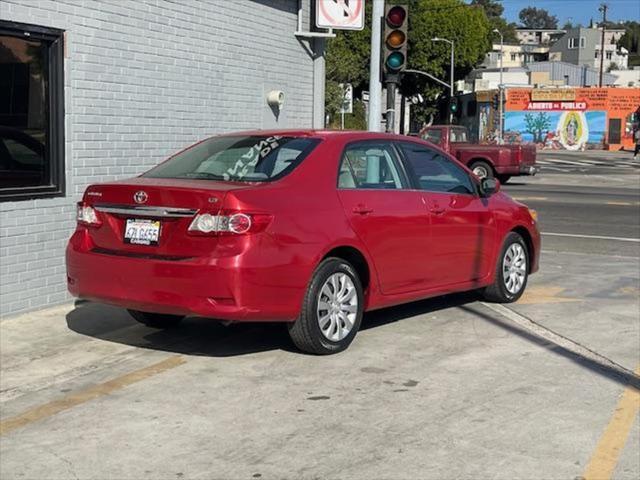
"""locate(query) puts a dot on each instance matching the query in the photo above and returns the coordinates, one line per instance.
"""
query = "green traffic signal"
(395, 61)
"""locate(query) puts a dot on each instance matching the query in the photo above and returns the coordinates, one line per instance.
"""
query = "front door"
(462, 227)
(388, 217)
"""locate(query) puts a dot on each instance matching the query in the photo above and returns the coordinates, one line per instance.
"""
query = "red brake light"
(86, 215)
(229, 223)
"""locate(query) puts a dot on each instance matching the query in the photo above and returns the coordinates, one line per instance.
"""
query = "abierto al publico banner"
(340, 14)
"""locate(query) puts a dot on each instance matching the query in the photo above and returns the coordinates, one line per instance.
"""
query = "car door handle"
(362, 210)
(437, 210)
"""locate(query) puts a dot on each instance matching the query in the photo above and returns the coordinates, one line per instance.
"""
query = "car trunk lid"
(165, 206)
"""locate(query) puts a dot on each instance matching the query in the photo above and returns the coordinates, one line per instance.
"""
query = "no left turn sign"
(340, 14)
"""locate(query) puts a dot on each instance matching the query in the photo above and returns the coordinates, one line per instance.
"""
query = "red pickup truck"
(500, 161)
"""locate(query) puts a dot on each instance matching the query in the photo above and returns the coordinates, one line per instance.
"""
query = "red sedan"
(307, 227)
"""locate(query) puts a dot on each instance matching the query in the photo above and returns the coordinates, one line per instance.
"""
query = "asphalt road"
(591, 162)
(445, 388)
(581, 196)
(572, 217)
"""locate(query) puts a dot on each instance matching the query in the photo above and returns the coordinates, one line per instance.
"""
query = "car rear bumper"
(225, 288)
(515, 170)
(529, 169)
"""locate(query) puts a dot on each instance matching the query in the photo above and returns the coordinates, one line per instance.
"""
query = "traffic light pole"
(392, 84)
(375, 86)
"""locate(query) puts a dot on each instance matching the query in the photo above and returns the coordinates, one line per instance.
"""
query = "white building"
(94, 91)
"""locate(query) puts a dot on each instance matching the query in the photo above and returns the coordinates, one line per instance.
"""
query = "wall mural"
(568, 130)
(572, 118)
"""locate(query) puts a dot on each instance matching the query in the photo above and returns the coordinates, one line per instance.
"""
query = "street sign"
(347, 98)
(340, 14)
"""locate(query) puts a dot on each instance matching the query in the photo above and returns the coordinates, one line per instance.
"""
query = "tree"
(613, 66)
(532, 17)
(631, 41)
(537, 125)
(347, 58)
(469, 29)
(494, 11)
(491, 7)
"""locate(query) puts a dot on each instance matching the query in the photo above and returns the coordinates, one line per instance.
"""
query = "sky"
(577, 11)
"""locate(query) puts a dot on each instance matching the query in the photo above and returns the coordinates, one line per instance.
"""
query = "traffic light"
(496, 101)
(454, 106)
(395, 39)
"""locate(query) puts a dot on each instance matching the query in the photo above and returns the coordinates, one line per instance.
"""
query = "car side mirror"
(489, 186)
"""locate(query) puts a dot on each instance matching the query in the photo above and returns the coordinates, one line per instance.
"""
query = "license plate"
(142, 232)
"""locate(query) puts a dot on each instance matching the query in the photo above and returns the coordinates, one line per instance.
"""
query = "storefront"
(572, 118)
(96, 91)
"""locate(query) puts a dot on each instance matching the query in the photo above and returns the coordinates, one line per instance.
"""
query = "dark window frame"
(55, 128)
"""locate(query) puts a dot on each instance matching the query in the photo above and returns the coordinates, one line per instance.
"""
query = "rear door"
(462, 226)
(388, 216)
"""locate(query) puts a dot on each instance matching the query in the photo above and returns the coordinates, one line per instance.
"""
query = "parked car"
(312, 228)
(486, 161)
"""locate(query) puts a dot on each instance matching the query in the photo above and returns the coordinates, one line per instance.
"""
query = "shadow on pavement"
(207, 337)
(619, 376)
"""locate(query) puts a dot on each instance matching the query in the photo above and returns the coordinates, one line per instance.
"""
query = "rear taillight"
(229, 223)
(86, 215)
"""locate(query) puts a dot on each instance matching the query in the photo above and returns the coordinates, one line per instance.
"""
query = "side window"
(434, 136)
(436, 173)
(370, 165)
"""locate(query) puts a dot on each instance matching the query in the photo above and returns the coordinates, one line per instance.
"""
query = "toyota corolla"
(312, 228)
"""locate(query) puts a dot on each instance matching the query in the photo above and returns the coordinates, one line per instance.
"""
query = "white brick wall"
(143, 79)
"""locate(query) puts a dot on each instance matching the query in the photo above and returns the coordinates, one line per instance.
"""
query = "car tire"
(503, 178)
(514, 261)
(482, 169)
(333, 301)
(156, 320)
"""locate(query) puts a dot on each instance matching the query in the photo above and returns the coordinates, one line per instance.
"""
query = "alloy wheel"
(514, 268)
(337, 307)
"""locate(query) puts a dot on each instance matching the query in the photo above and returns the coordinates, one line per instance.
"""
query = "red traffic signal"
(396, 16)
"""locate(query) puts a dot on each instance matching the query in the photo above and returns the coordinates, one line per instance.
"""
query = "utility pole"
(451, 70)
(375, 87)
(500, 87)
(603, 9)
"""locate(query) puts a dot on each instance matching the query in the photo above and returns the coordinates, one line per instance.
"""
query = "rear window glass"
(434, 136)
(237, 159)
(458, 135)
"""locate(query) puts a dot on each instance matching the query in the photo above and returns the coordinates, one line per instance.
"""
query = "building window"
(583, 42)
(31, 112)
(573, 43)
(513, 57)
(609, 55)
(596, 53)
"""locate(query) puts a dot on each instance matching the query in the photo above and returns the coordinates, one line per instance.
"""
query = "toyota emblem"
(140, 196)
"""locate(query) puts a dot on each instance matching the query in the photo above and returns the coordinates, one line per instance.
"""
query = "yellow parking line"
(49, 409)
(605, 456)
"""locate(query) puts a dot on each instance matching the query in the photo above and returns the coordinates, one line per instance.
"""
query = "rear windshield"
(458, 135)
(237, 159)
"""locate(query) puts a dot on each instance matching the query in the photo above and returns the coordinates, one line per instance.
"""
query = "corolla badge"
(140, 196)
